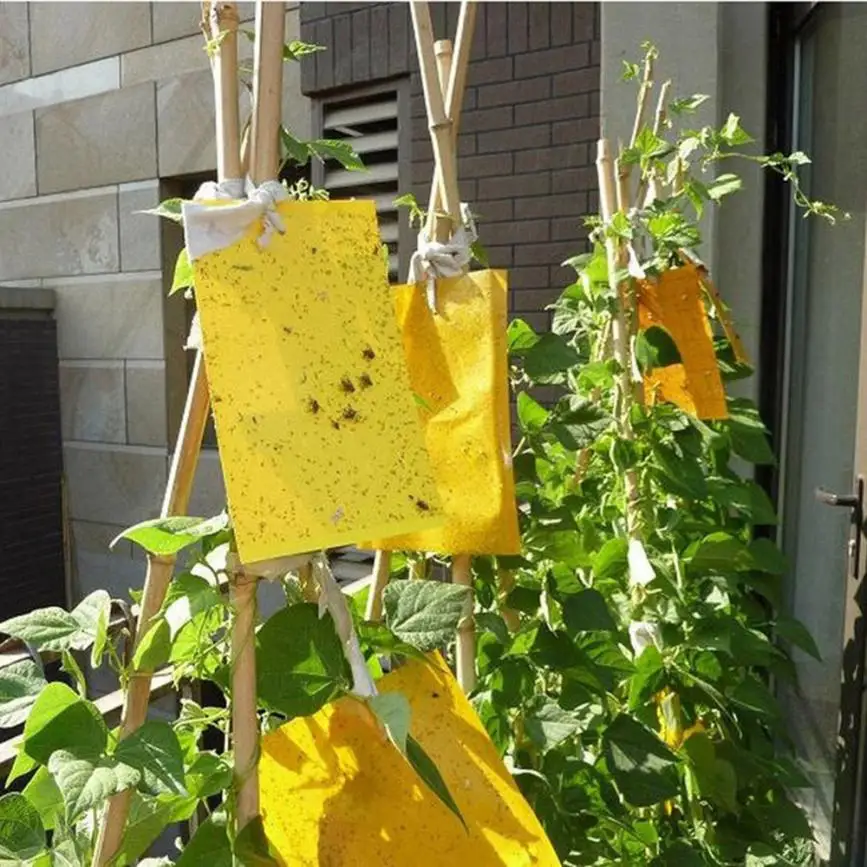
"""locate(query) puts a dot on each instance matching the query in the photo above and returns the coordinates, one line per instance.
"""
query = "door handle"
(855, 503)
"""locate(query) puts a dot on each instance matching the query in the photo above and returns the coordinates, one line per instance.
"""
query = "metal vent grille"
(370, 123)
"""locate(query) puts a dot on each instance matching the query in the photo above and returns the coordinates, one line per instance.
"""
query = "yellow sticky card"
(458, 365)
(320, 438)
(336, 793)
(674, 301)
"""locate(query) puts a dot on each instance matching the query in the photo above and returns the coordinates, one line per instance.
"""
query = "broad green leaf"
(798, 634)
(587, 611)
(296, 150)
(62, 719)
(153, 750)
(648, 678)
(20, 684)
(679, 854)
(209, 846)
(747, 498)
(424, 766)
(425, 614)
(749, 439)
(767, 557)
(42, 792)
(170, 209)
(300, 661)
(549, 356)
(189, 595)
(296, 49)
(100, 638)
(22, 836)
(752, 694)
(642, 766)
(393, 711)
(723, 185)
(655, 347)
(687, 104)
(611, 560)
(381, 639)
(721, 552)
(521, 337)
(208, 775)
(148, 818)
(732, 132)
(531, 415)
(86, 783)
(550, 725)
(22, 766)
(183, 274)
(70, 666)
(154, 649)
(166, 536)
(251, 846)
(339, 150)
(57, 630)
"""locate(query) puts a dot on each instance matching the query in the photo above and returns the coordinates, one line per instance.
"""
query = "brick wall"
(531, 114)
(31, 567)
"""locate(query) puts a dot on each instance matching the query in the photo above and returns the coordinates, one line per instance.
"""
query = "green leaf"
(87, 784)
(424, 766)
(42, 792)
(752, 694)
(655, 347)
(687, 104)
(642, 766)
(296, 150)
(183, 275)
(747, 498)
(148, 818)
(521, 337)
(251, 845)
(798, 634)
(296, 49)
(380, 639)
(100, 638)
(479, 254)
(20, 684)
(57, 630)
(425, 614)
(154, 649)
(611, 560)
(767, 557)
(189, 596)
(154, 750)
(170, 209)
(167, 536)
(550, 725)
(531, 415)
(22, 836)
(721, 552)
(749, 439)
(648, 678)
(723, 185)
(393, 711)
(587, 611)
(339, 150)
(732, 132)
(61, 718)
(70, 666)
(300, 662)
(22, 766)
(208, 775)
(209, 846)
(548, 356)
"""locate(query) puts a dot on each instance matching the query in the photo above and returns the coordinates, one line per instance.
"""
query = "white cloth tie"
(436, 259)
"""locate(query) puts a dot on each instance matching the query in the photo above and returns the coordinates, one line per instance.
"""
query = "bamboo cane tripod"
(268, 71)
(444, 78)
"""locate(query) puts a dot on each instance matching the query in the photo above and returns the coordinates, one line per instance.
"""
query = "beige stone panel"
(185, 124)
(297, 112)
(104, 139)
(139, 233)
(146, 403)
(113, 484)
(209, 492)
(116, 317)
(92, 404)
(75, 234)
(179, 57)
(14, 42)
(18, 176)
(172, 20)
(65, 34)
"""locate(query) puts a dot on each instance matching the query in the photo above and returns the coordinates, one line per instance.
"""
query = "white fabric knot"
(644, 634)
(436, 259)
(208, 228)
(641, 571)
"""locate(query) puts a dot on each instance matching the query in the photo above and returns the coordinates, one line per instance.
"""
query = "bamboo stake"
(267, 90)
(620, 329)
(381, 572)
(466, 638)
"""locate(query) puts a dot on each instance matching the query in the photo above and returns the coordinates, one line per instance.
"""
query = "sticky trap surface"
(335, 793)
(319, 436)
(675, 303)
(458, 365)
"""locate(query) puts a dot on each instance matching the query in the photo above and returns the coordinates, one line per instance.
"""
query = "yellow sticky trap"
(336, 793)
(458, 365)
(675, 303)
(319, 436)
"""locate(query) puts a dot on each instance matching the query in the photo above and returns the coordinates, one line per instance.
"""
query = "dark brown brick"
(596, 53)
(486, 165)
(480, 120)
(361, 45)
(398, 38)
(378, 42)
(495, 210)
(537, 320)
(533, 277)
(561, 23)
(521, 232)
(567, 204)
(543, 254)
(535, 299)
(498, 256)
(594, 104)
(568, 229)
(554, 60)
(581, 129)
(342, 51)
(518, 139)
(517, 27)
(491, 71)
(479, 47)
(577, 179)
(324, 63)
(512, 92)
(585, 15)
(540, 25)
(514, 185)
(576, 81)
(564, 108)
(496, 28)
(557, 158)
(466, 145)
